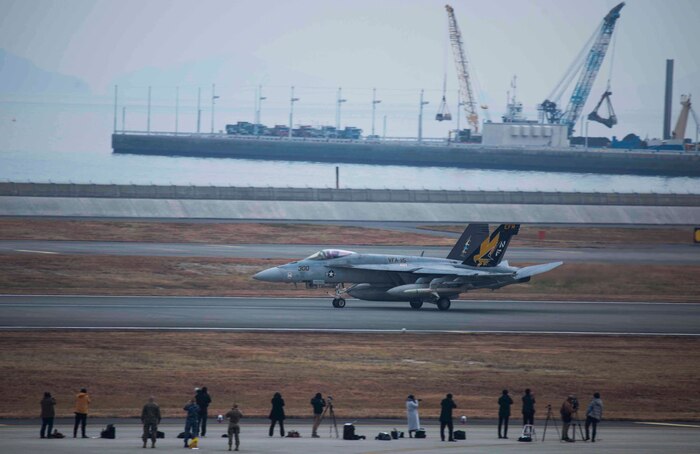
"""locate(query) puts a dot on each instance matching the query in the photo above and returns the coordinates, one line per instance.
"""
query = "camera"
(574, 403)
(330, 398)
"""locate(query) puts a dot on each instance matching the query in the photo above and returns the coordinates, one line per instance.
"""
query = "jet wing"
(455, 271)
(393, 267)
(441, 270)
(536, 269)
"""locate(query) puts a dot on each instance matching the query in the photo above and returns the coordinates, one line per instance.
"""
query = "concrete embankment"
(438, 154)
(311, 204)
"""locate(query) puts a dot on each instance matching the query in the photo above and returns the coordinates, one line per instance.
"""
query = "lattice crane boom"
(588, 71)
(466, 91)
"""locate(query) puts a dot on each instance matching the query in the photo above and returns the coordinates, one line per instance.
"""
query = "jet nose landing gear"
(338, 303)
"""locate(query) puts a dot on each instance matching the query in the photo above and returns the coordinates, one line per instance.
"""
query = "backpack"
(384, 436)
(109, 432)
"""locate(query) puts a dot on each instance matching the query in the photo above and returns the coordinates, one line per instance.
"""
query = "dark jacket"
(203, 400)
(150, 413)
(318, 404)
(504, 403)
(192, 411)
(277, 412)
(528, 404)
(47, 407)
(446, 407)
(566, 411)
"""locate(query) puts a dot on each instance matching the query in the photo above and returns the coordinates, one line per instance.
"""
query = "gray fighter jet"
(473, 263)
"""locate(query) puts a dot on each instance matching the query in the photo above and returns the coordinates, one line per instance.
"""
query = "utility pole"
(337, 109)
(259, 98)
(116, 88)
(375, 101)
(213, 99)
(292, 100)
(384, 130)
(420, 117)
(148, 114)
(199, 108)
(123, 119)
(177, 107)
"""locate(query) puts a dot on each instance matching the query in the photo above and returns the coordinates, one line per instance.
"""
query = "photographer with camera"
(567, 412)
(412, 414)
(594, 413)
(318, 404)
(528, 407)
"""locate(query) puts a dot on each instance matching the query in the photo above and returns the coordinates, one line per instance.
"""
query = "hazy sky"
(397, 46)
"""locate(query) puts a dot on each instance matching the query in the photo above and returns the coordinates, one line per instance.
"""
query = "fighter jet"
(474, 262)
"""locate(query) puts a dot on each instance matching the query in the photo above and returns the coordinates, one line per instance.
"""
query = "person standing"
(203, 400)
(234, 429)
(594, 413)
(48, 412)
(412, 414)
(528, 408)
(192, 421)
(150, 418)
(82, 402)
(566, 411)
(504, 403)
(277, 414)
(446, 407)
(318, 404)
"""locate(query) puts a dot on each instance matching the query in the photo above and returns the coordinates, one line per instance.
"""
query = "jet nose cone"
(269, 275)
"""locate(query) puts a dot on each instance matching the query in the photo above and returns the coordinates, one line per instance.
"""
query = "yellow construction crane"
(679, 130)
(467, 94)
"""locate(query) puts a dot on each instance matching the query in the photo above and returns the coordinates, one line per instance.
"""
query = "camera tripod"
(576, 422)
(331, 414)
(550, 417)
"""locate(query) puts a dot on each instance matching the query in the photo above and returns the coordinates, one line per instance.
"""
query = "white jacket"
(412, 415)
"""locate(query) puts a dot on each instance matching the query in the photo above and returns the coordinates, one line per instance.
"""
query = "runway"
(317, 314)
(677, 254)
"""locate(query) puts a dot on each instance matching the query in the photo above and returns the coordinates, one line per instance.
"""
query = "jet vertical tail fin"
(492, 249)
(470, 240)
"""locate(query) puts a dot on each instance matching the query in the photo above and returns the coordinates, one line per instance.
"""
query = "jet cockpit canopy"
(328, 254)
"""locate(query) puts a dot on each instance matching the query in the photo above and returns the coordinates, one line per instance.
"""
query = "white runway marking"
(668, 424)
(36, 252)
(336, 330)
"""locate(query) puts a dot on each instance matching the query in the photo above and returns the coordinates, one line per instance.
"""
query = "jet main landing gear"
(443, 303)
(338, 303)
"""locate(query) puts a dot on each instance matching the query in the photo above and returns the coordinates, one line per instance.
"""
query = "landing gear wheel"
(443, 304)
(416, 304)
(339, 303)
(335, 302)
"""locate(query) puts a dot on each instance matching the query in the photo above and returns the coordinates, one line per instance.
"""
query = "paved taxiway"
(657, 254)
(613, 437)
(317, 314)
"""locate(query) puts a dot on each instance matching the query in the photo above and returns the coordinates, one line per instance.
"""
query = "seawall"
(436, 154)
(311, 204)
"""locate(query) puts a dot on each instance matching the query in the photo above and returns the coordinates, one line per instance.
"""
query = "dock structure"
(430, 153)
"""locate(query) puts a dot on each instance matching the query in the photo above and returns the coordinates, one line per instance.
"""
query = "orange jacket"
(81, 403)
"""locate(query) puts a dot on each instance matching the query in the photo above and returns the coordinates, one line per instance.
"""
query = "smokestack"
(668, 99)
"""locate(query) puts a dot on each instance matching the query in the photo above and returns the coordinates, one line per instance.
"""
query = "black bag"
(525, 438)
(109, 432)
(460, 435)
(420, 433)
(160, 434)
(384, 436)
(395, 434)
(348, 431)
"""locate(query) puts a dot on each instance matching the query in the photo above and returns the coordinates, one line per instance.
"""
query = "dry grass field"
(261, 233)
(369, 375)
(196, 276)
